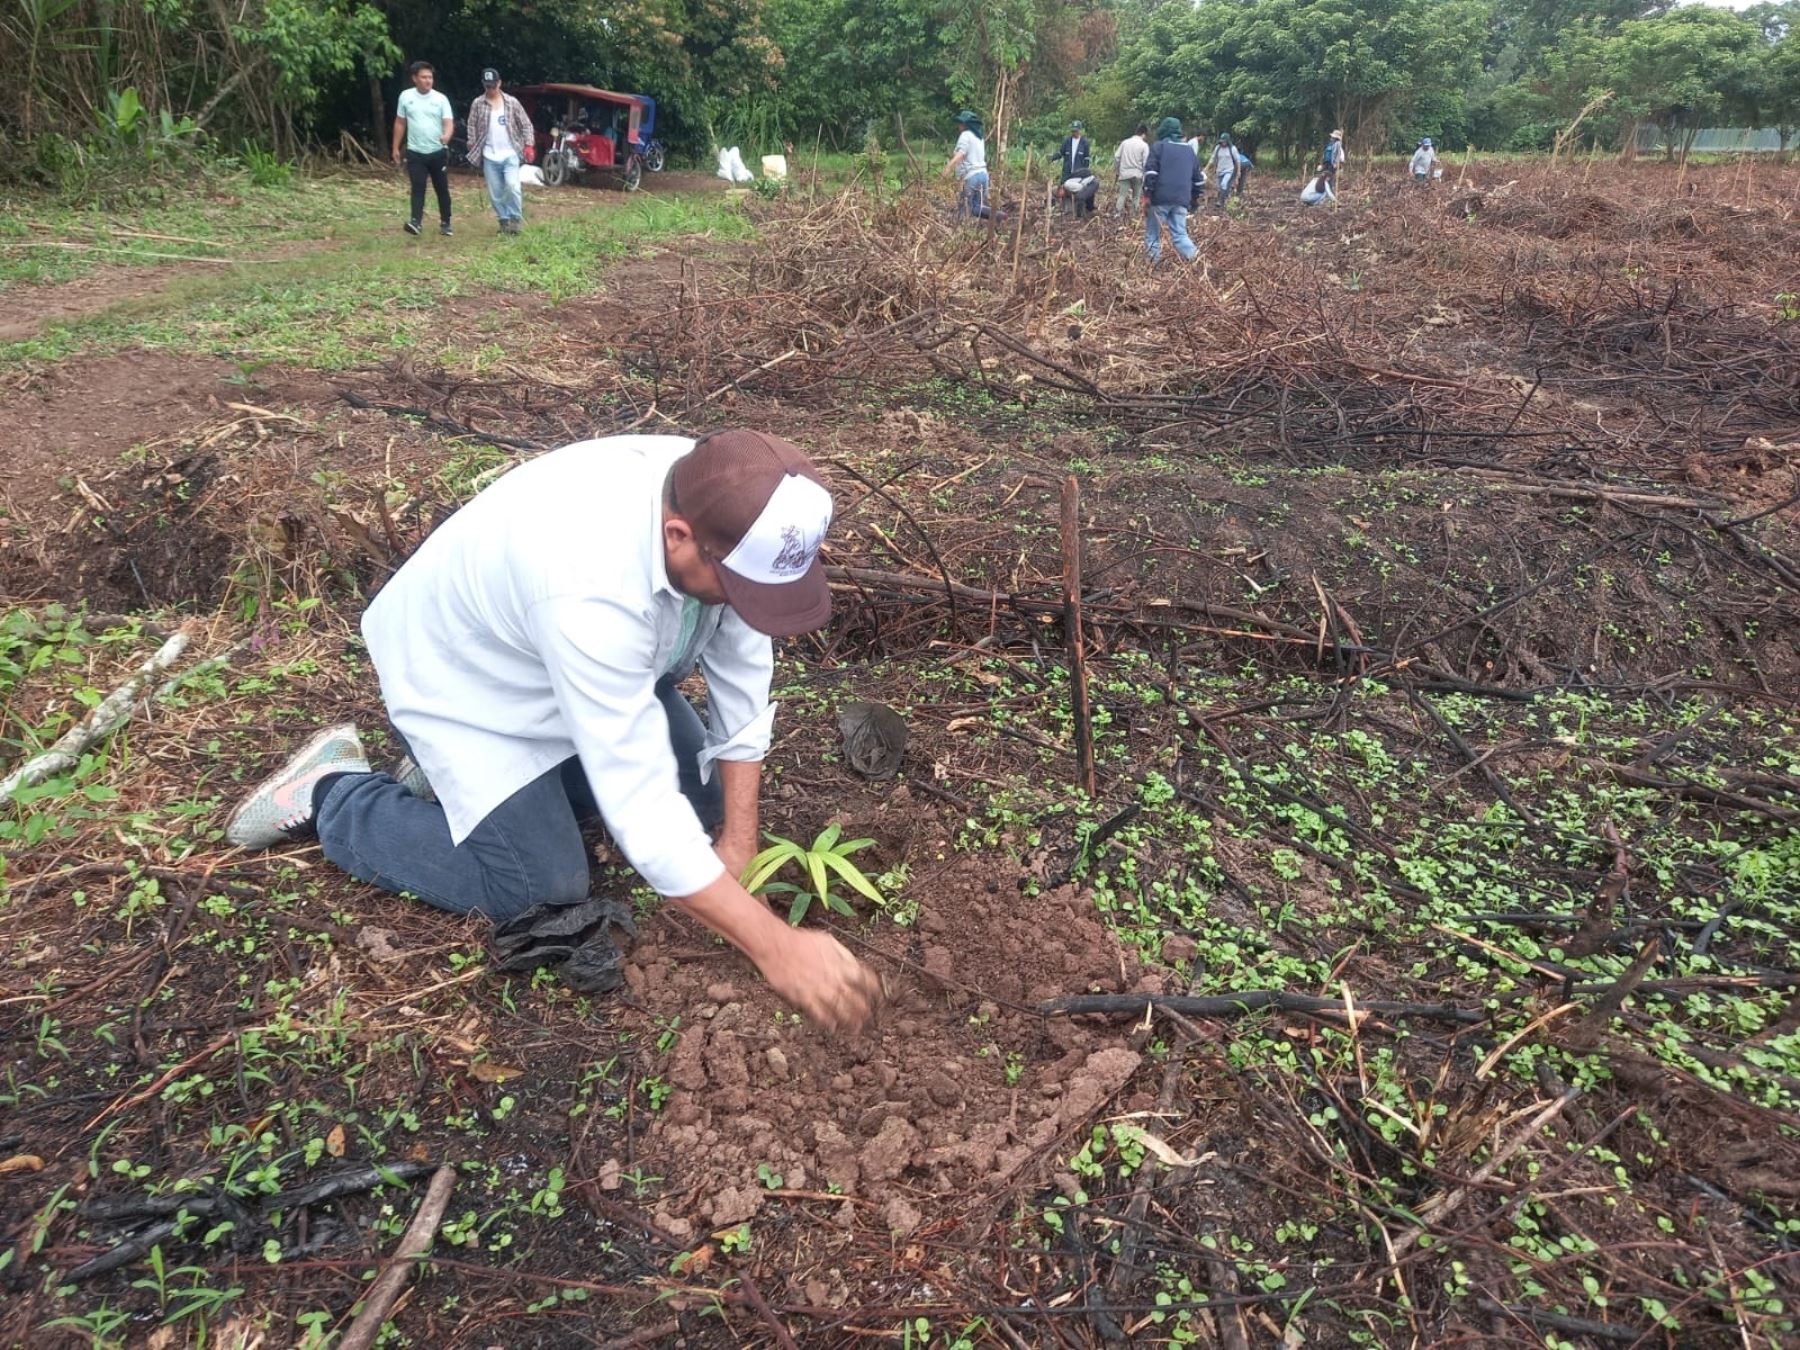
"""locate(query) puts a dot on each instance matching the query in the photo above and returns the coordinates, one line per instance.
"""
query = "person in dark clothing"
(1077, 153)
(1172, 186)
(1333, 159)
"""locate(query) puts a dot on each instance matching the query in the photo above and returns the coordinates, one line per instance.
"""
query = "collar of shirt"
(659, 560)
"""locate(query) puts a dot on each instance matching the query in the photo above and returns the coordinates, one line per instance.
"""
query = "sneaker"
(281, 807)
(412, 227)
(445, 230)
(409, 775)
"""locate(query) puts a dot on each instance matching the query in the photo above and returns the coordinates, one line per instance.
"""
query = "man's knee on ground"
(556, 876)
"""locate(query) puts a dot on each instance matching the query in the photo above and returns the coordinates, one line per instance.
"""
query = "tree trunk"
(918, 174)
(377, 110)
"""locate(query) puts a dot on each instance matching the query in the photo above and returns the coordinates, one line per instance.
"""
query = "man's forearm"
(737, 916)
(741, 782)
(399, 134)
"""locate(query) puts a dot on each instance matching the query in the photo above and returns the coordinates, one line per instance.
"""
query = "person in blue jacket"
(1077, 152)
(1172, 185)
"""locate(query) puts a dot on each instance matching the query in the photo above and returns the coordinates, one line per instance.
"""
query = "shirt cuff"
(690, 873)
(751, 742)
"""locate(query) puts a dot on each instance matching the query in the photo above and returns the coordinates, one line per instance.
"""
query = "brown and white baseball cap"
(759, 511)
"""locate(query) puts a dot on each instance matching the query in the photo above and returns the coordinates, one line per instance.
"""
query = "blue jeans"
(1175, 217)
(973, 198)
(503, 186)
(526, 852)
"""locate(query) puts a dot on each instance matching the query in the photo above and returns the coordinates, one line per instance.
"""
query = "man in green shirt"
(423, 124)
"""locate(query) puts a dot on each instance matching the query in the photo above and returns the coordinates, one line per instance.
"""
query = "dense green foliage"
(1279, 73)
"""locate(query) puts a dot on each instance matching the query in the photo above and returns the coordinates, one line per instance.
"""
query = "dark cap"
(759, 511)
(490, 76)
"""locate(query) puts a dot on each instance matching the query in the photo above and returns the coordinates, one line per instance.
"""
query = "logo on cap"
(795, 555)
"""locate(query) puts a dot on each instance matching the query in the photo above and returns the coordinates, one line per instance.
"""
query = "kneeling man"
(528, 654)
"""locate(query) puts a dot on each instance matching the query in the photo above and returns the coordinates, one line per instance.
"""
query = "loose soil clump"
(959, 1090)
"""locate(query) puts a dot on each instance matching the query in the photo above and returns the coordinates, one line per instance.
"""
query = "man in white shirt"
(1424, 159)
(528, 653)
(1226, 161)
(1129, 159)
(969, 163)
(423, 124)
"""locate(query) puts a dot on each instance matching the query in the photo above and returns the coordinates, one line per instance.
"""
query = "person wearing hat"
(1077, 153)
(969, 163)
(1424, 159)
(528, 654)
(1332, 160)
(500, 138)
(1172, 186)
(423, 126)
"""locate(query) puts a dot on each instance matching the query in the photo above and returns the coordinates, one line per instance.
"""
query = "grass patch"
(371, 288)
(224, 221)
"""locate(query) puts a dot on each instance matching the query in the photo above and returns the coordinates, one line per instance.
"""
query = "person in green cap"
(969, 164)
(1077, 152)
(1172, 185)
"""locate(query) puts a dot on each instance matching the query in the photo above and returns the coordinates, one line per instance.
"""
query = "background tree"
(1287, 71)
(1685, 70)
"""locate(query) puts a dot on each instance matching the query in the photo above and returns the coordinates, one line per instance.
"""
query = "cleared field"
(1423, 967)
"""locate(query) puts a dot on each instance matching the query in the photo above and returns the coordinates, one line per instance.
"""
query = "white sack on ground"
(731, 166)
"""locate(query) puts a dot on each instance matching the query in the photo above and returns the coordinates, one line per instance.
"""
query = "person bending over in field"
(1317, 191)
(528, 655)
(1424, 160)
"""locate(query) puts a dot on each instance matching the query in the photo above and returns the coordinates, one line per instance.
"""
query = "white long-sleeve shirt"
(1423, 158)
(534, 624)
(1130, 156)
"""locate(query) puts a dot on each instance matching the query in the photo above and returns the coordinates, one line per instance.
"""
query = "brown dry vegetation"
(1441, 595)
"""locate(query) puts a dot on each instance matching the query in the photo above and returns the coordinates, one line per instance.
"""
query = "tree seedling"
(826, 861)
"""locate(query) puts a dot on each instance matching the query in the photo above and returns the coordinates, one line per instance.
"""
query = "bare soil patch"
(33, 308)
(961, 1091)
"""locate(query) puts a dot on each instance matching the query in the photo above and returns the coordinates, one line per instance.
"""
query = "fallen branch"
(1250, 1000)
(416, 1242)
(106, 717)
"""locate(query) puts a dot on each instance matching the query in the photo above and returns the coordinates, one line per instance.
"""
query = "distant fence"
(1714, 140)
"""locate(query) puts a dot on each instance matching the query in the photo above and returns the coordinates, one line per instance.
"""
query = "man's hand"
(816, 974)
(808, 968)
(396, 154)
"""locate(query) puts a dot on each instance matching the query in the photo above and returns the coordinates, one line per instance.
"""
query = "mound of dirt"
(960, 1090)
